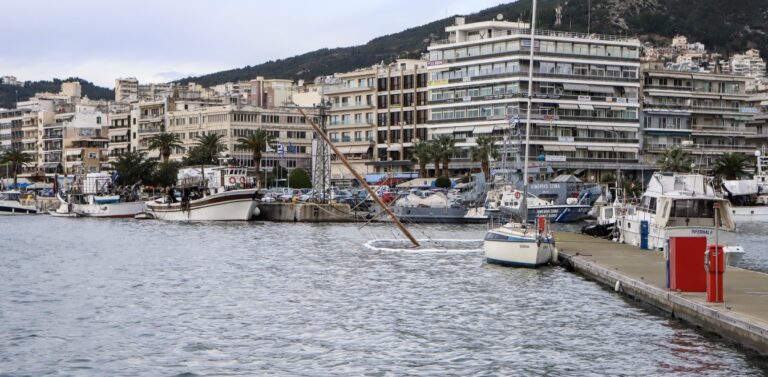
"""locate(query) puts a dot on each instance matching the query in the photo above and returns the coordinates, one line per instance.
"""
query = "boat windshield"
(692, 212)
(14, 196)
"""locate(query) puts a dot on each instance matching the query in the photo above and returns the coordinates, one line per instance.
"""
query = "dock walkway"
(642, 275)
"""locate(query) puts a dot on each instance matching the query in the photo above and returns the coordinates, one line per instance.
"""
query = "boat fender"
(242, 180)
(617, 286)
(232, 180)
(555, 255)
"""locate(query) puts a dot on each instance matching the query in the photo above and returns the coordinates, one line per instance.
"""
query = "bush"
(443, 182)
(299, 178)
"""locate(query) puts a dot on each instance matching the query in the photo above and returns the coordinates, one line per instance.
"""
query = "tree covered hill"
(8, 93)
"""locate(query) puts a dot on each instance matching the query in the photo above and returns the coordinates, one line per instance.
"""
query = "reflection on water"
(89, 297)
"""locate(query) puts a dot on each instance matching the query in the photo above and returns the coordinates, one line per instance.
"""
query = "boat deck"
(743, 318)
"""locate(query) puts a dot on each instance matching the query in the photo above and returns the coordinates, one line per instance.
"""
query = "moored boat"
(518, 245)
(17, 203)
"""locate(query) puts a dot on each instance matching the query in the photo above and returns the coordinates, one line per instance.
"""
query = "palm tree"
(422, 154)
(446, 145)
(210, 145)
(256, 142)
(434, 151)
(676, 160)
(17, 159)
(483, 152)
(133, 167)
(730, 165)
(165, 142)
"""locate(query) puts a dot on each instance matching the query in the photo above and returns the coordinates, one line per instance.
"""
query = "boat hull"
(12, 210)
(438, 215)
(113, 210)
(236, 205)
(553, 213)
(750, 214)
(516, 251)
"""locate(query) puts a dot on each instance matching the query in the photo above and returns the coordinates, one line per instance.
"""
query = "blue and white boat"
(518, 245)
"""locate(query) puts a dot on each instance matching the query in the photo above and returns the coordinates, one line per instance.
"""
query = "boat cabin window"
(648, 203)
(693, 208)
(608, 213)
(9, 196)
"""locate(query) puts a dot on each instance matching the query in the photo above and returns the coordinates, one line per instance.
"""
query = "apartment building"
(585, 108)
(401, 113)
(757, 136)
(351, 120)
(147, 120)
(127, 90)
(10, 128)
(119, 133)
(286, 125)
(84, 140)
(705, 113)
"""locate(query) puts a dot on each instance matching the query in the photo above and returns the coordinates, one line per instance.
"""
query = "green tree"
(434, 149)
(443, 182)
(207, 149)
(730, 166)
(422, 154)
(446, 146)
(299, 178)
(483, 152)
(133, 167)
(676, 160)
(165, 142)
(17, 160)
(166, 173)
(256, 142)
(278, 172)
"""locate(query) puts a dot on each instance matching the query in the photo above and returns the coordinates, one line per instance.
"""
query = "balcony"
(351, 106)
(52, 135)
(346, 89)
(148, 130)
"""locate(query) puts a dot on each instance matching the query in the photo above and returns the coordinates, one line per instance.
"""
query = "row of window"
(523, 44)
(499, 110)
(509, 67)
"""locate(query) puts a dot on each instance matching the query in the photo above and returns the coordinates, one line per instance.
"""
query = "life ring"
(232, 180)
(242, 180)
(517, 194)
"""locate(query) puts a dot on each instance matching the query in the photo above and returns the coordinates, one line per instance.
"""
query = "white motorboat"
(210, 195)
(16, 203)
(518, 245)
(680, 205)
(95, 196)
(749, 197)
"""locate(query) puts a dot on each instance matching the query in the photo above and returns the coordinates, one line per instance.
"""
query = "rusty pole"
(357, 175)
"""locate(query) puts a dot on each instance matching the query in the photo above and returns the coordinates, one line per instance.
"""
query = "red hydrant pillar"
(714, 264)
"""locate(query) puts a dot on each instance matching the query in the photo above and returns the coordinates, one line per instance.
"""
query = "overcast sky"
(162, 40)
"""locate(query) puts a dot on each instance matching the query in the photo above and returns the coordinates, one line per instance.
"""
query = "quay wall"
(309, 212)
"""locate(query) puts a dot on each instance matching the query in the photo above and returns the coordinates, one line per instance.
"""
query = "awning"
(483, 130)
(355, 149)
(551, 147)
(617, 108)
(441, 131)
(568, 148)
(576, 87)
(72, 152)
(625, 149)
(394, 148)
(568, 106)
(51, 164)
(463, 129)
(586, 107)
(602, 148)
(600, 89)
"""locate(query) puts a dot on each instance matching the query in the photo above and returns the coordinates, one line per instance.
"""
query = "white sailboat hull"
(516, 250)
(111, 210)
(227, 206)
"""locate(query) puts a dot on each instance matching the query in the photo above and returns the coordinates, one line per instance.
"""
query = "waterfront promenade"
(641, 274)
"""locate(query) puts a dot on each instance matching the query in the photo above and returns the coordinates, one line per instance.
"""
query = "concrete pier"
(641, 275)
(310, 212)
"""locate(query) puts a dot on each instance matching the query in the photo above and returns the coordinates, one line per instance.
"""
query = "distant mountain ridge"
(8, 92)
(723, 26)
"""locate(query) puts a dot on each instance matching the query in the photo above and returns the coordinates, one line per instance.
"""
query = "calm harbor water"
(90, 297)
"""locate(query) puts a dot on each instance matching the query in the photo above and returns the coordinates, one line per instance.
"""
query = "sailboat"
(516, 244)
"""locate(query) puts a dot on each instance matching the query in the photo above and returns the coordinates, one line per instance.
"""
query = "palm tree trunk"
(437, 167)
(422, 169)
(257, 165)
(15, 176)
(484, 168)
(446, 159)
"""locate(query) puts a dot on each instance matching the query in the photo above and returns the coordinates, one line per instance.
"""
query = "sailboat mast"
(524, 204)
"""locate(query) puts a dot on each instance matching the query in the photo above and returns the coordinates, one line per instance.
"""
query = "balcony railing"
(555, 33)
(150, 130)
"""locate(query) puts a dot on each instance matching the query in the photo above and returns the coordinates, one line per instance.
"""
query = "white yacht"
(210, 194)
(95, 196)
(518, 245)
(681, 205)
(16, 203)
(749, 197)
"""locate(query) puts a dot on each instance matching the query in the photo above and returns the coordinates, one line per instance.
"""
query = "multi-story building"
(705, 113)
(147, 120)
(84, 140)
(126, 90)
(584, 114)
(401, 116)
(286, 126)
(11, 80)
(119, 132)
(748, 64)
(351, 120)
(11, 123)
(757, 136)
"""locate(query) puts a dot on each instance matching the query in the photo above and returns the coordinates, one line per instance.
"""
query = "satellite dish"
(499, 16)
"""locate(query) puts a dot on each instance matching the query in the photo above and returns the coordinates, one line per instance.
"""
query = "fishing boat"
(516, 244)
(510, 202)
(749, 197)
(208, 194)
(680, 205)
(14, 202)
(95, 195)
